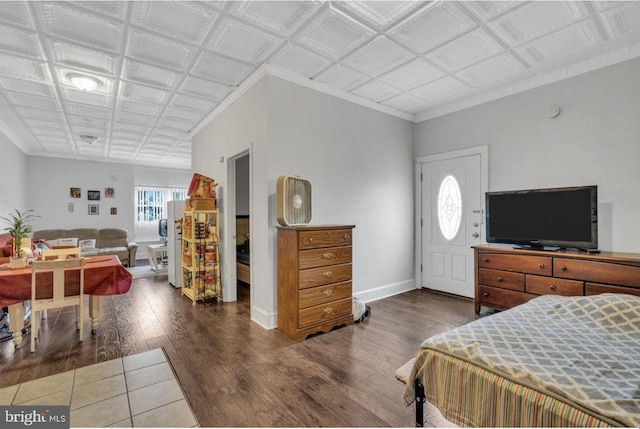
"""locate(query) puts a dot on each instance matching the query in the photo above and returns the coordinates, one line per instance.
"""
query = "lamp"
(83, 82)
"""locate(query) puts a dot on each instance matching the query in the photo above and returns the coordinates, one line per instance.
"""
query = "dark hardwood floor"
(235, 373)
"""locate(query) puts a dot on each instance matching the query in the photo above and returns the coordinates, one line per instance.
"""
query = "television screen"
(162, 228)
(557, 217)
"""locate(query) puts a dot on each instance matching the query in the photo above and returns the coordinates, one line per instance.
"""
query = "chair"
(58, 298)
(73, 252)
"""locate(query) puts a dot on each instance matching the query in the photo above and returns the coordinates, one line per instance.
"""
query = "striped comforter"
(555, 361)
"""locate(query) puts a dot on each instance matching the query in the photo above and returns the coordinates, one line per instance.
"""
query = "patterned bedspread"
(583, 350)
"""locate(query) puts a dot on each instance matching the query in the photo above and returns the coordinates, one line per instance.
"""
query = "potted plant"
(18, 229)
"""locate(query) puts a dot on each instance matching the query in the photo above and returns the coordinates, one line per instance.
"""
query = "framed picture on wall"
(75, 192)
(94, 209)
(114, 210)
(93, 195)
(109, 192)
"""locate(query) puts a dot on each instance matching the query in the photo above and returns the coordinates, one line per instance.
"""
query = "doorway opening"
(242, 232)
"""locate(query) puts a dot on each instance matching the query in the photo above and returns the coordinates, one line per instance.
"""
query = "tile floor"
(134, 391)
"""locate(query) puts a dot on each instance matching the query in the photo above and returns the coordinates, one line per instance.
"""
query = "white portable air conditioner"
(294, 201)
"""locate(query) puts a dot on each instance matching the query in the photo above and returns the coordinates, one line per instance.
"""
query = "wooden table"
(103, 275)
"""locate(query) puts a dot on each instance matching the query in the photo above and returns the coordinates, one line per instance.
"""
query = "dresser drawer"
(323, 294)
(503, 279)
(521, 263)
(323, 257)
(597, 289)
(549, 285)
(598, 272)
(324, 238)
(502, 298)
(324, 312)
(324, 275)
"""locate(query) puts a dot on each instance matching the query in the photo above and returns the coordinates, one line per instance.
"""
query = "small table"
(157, 251)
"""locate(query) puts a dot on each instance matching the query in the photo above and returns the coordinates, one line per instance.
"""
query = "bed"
(552, 362)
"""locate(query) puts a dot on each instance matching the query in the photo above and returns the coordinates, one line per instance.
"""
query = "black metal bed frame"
(420, 399)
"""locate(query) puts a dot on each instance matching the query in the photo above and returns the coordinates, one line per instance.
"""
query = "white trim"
(264, 319)
(483, 151)
(544, 78)
(13, 137)
(386, 291)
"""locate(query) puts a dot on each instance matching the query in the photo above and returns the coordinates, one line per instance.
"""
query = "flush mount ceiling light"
(88, 138)
(84, 82)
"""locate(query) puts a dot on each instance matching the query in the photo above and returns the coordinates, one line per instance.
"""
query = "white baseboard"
(386, 291)
(264, 319)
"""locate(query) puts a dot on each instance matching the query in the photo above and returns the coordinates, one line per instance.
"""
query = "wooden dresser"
(506, 277)
(314, 279)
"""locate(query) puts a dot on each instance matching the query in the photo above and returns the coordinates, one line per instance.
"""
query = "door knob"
(475, 235)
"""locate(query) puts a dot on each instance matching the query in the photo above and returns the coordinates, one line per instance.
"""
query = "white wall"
(13, 186)
(361, 168)
(595, 140)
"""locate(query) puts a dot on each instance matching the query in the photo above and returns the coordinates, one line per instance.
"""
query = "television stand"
(534, 247)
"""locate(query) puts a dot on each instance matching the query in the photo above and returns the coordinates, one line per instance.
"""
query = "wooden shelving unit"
(200, 255)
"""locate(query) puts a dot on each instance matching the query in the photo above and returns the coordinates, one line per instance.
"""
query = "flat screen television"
(553, 218)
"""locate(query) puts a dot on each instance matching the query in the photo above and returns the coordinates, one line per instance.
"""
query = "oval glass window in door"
(449, 207)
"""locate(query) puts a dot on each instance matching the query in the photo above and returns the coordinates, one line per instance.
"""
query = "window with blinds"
(151, 206)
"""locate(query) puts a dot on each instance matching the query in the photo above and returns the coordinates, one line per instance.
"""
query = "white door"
(452, 221)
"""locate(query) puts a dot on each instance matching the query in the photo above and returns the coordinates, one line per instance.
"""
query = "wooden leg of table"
(94, 312)
(16, 322)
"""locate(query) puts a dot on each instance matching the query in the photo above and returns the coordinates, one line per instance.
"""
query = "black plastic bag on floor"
(360, 310)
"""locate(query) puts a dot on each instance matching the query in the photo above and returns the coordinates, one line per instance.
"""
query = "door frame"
(483, 151)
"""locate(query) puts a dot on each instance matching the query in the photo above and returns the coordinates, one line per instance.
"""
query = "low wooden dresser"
(314, 279)
(506, 277)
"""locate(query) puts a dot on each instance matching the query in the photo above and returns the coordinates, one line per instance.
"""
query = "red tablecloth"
(103, 275)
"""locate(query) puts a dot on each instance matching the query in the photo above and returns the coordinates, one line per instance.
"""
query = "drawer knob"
(486, 294)
(500, 279)
(328, 311)
(327, 255)
(328, 292)
(541, 266)
(346, 236)
(485, 260)
(552, 287)
(327, 274)
(563, 268)
(310, 239)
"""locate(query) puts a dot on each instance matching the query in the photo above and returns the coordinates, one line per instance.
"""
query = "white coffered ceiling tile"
(132, 106)
(205, 88)
(89, 122)
(406, 103)
(46, 115)
(183, 115)
(175, 125)
(623, 19)
(242, 42)
(17, 41)
(15, 13)
(134, 138)
(563, 43)
(496, 69)
(536, 19)
(194, 104)
(299, 60)
(415, 73)
(94, 112)
(185, 21)
(46, 128)
(467, 49)
(221, 69)
(83, 97)
(379, 14)
(69, 55)
(169, 135)
(62, 20)
(431, 26)
(376, 90)
(333, 33)
(43, 89)
(442, 89)
(378, 56)
(24, 68)
(116, 9)
(32, 101)
(281, 17)
(159, 51)
(342, 77)
(121, 153)
(92, 150)
(491, 9)
(138, 92)
(150, 75)
(130, 128)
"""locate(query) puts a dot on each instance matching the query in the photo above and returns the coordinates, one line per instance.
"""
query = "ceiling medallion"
(84, 82)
